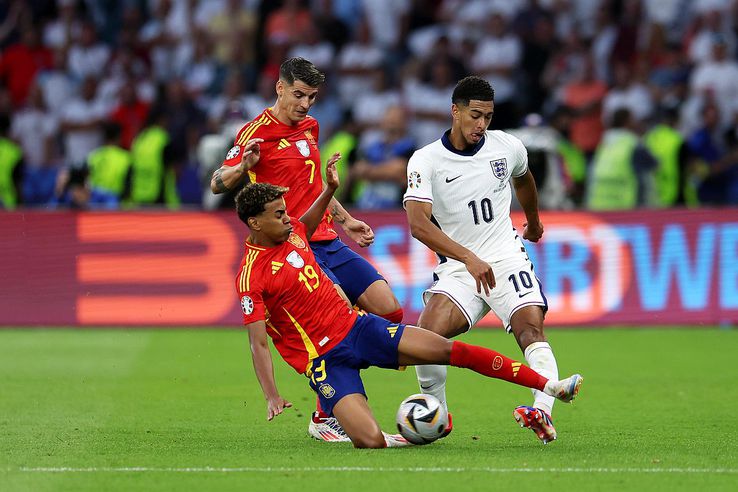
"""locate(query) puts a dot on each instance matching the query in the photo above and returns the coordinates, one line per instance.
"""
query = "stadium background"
(561, 70)
(159, 268)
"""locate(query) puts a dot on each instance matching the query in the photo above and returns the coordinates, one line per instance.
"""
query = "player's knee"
(371, 440)
(528, 331)
(395, 316)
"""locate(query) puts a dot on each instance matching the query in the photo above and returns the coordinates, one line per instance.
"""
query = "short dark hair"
(252, 199)
(472, 88)
(298, 68)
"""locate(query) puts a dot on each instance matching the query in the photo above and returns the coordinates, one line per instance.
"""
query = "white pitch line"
(349, 469)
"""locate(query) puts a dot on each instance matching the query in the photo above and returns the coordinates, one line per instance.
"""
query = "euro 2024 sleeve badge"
(413, 180)
(247, 305)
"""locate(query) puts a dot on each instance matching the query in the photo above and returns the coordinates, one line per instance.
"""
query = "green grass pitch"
(181, 410)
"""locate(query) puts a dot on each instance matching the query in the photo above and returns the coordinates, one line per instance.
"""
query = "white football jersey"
(470, 191)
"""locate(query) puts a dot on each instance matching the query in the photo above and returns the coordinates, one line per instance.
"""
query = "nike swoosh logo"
(524, 294)
(449, 180)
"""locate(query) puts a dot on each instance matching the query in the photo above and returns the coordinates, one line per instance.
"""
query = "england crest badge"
(499, 168)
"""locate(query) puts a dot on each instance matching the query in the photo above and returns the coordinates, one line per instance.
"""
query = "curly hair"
(252, 199)
(301, 69)
(472, 88)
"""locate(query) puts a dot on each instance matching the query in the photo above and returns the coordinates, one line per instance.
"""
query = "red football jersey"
(290, 158)
(284, 286)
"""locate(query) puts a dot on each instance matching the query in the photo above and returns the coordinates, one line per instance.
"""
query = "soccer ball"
(421, 419)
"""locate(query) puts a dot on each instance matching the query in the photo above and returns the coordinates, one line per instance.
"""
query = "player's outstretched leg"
(419, 346)
(496, 365)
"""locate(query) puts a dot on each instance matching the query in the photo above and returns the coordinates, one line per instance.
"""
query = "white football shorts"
(516, 287)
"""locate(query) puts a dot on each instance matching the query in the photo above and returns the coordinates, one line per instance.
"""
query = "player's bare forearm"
(525, 190)
(422, 229)
(226, 178)
(339, 213)
(262, 359)
(315, 213)
(356, 229)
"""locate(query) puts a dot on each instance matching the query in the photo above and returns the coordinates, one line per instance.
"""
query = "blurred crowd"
(133, 103)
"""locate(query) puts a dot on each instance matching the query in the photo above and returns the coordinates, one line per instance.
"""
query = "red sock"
(321, 413)
(495, 365)
(394, 316)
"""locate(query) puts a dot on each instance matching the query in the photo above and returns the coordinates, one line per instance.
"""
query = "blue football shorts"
(372, 341)
(345, 267)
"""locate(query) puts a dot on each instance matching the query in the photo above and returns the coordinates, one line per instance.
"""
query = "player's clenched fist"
(533, 231)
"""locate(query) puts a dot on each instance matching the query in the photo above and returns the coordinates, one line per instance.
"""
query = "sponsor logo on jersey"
(452, 179)
(235, 150)
(295, 260)
(276, 265)
(499, 168)
(296, 241)
(283, 144)
(326, 390)
(413, 180)
(303, 147)
(247, 305)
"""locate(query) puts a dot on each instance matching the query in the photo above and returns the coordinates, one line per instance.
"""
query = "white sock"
(432, 380)
(540, 358)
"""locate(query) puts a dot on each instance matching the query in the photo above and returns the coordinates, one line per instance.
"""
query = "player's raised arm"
(262, 359)
(228, 177)
(312, 217)
(525, 190)
(422, 229)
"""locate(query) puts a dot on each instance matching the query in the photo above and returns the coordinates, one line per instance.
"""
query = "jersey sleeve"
(419, 185)
(235, 153)
(520, 156)
(250, 294)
